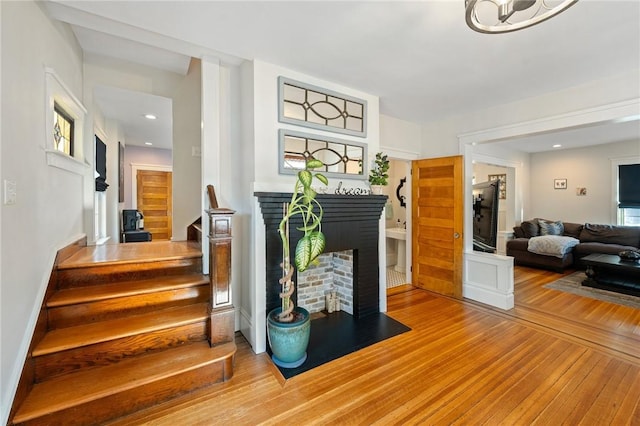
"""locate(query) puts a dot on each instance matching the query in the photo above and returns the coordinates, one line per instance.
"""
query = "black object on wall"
(401, 198)
(629, 186)
(101, 165)
(349, 223)
(485, 216)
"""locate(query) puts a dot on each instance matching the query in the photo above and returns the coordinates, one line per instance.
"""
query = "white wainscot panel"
(488, 278)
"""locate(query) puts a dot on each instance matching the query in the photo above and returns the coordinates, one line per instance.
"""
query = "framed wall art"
(559, 184)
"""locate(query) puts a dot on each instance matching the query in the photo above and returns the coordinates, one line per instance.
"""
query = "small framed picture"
(559, 184)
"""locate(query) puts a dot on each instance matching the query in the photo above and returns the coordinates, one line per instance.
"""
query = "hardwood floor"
(555, 358)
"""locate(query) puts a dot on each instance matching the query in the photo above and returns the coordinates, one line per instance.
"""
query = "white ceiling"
(418, 57)
(129, 109)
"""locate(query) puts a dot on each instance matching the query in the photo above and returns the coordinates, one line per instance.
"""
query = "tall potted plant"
(378, 175)
(288, 326)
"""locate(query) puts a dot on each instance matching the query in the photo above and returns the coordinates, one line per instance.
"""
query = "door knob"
(456, 235)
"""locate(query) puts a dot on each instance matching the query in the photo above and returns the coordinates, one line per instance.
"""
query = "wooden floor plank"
(461, 363)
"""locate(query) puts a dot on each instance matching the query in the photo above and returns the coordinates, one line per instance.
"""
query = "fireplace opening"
(333, 273)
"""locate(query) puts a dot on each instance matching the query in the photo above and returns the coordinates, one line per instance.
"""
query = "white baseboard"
(482, 295)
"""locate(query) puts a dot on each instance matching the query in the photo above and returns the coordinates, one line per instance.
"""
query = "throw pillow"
(530, 229)
(550, 228)
(572, 229)
(518, 232)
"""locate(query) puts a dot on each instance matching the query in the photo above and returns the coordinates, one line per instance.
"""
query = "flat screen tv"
(485, 216)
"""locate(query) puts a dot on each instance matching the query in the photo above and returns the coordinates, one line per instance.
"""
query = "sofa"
(558, 245)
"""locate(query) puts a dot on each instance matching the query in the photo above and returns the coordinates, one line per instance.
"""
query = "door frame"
(496, 289)
(134, 181)
(408, 158)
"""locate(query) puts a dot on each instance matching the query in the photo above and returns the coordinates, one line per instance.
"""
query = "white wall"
(245, 298)
(233, 187)
(588, 167)
(401, 141)
(140, 155)
(48, 214)
(399, 135)
(263, 80)
(187, 177)
(116, 134)
(440, 138)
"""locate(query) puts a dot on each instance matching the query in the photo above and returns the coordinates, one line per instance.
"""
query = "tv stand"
(480, 246)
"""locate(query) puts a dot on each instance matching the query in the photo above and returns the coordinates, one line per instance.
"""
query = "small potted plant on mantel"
(378, 175)
(289, 327)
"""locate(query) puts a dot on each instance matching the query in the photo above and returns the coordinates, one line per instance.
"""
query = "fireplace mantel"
(349, 223)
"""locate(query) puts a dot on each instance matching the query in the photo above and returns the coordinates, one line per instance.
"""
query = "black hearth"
(349, 223)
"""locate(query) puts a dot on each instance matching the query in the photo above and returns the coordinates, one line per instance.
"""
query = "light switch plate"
(9, 192)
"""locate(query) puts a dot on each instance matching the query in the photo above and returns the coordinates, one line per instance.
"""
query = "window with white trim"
(65, 117)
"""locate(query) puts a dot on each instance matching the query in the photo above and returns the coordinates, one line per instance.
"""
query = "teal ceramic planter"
(289, 341)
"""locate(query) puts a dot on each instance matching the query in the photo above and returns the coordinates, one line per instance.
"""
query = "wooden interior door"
(438, 223)
(154, 201)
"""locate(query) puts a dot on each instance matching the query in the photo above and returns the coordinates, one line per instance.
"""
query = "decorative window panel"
(323, 109)
(64, 122)
(343, 159)
(62, 131)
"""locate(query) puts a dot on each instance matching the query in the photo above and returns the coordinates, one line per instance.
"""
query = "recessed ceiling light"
(150, 116)
(148, 143)
(557, 145)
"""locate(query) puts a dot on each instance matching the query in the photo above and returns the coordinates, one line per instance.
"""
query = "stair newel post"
(221, 308)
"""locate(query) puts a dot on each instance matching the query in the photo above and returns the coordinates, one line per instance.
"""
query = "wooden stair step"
(131, 254)
(108, 272)
(87, 334)
(77, 295)
(113, 351)
(85, 387)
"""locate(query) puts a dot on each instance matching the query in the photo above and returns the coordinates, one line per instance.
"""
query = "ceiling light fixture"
(557, 146)
(150, 116)
(503, 16)
(148, 143)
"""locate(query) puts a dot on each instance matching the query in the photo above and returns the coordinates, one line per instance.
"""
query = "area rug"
(573, 284)
(339, 334)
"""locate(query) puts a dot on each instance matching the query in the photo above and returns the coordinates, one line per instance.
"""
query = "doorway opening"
(398, 223)
(154, 201)
(153, 193)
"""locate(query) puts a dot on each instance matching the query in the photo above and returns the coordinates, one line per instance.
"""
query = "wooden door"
(438, 221)
(154, 201)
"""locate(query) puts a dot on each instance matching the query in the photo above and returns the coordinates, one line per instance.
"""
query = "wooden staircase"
(123, 333)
